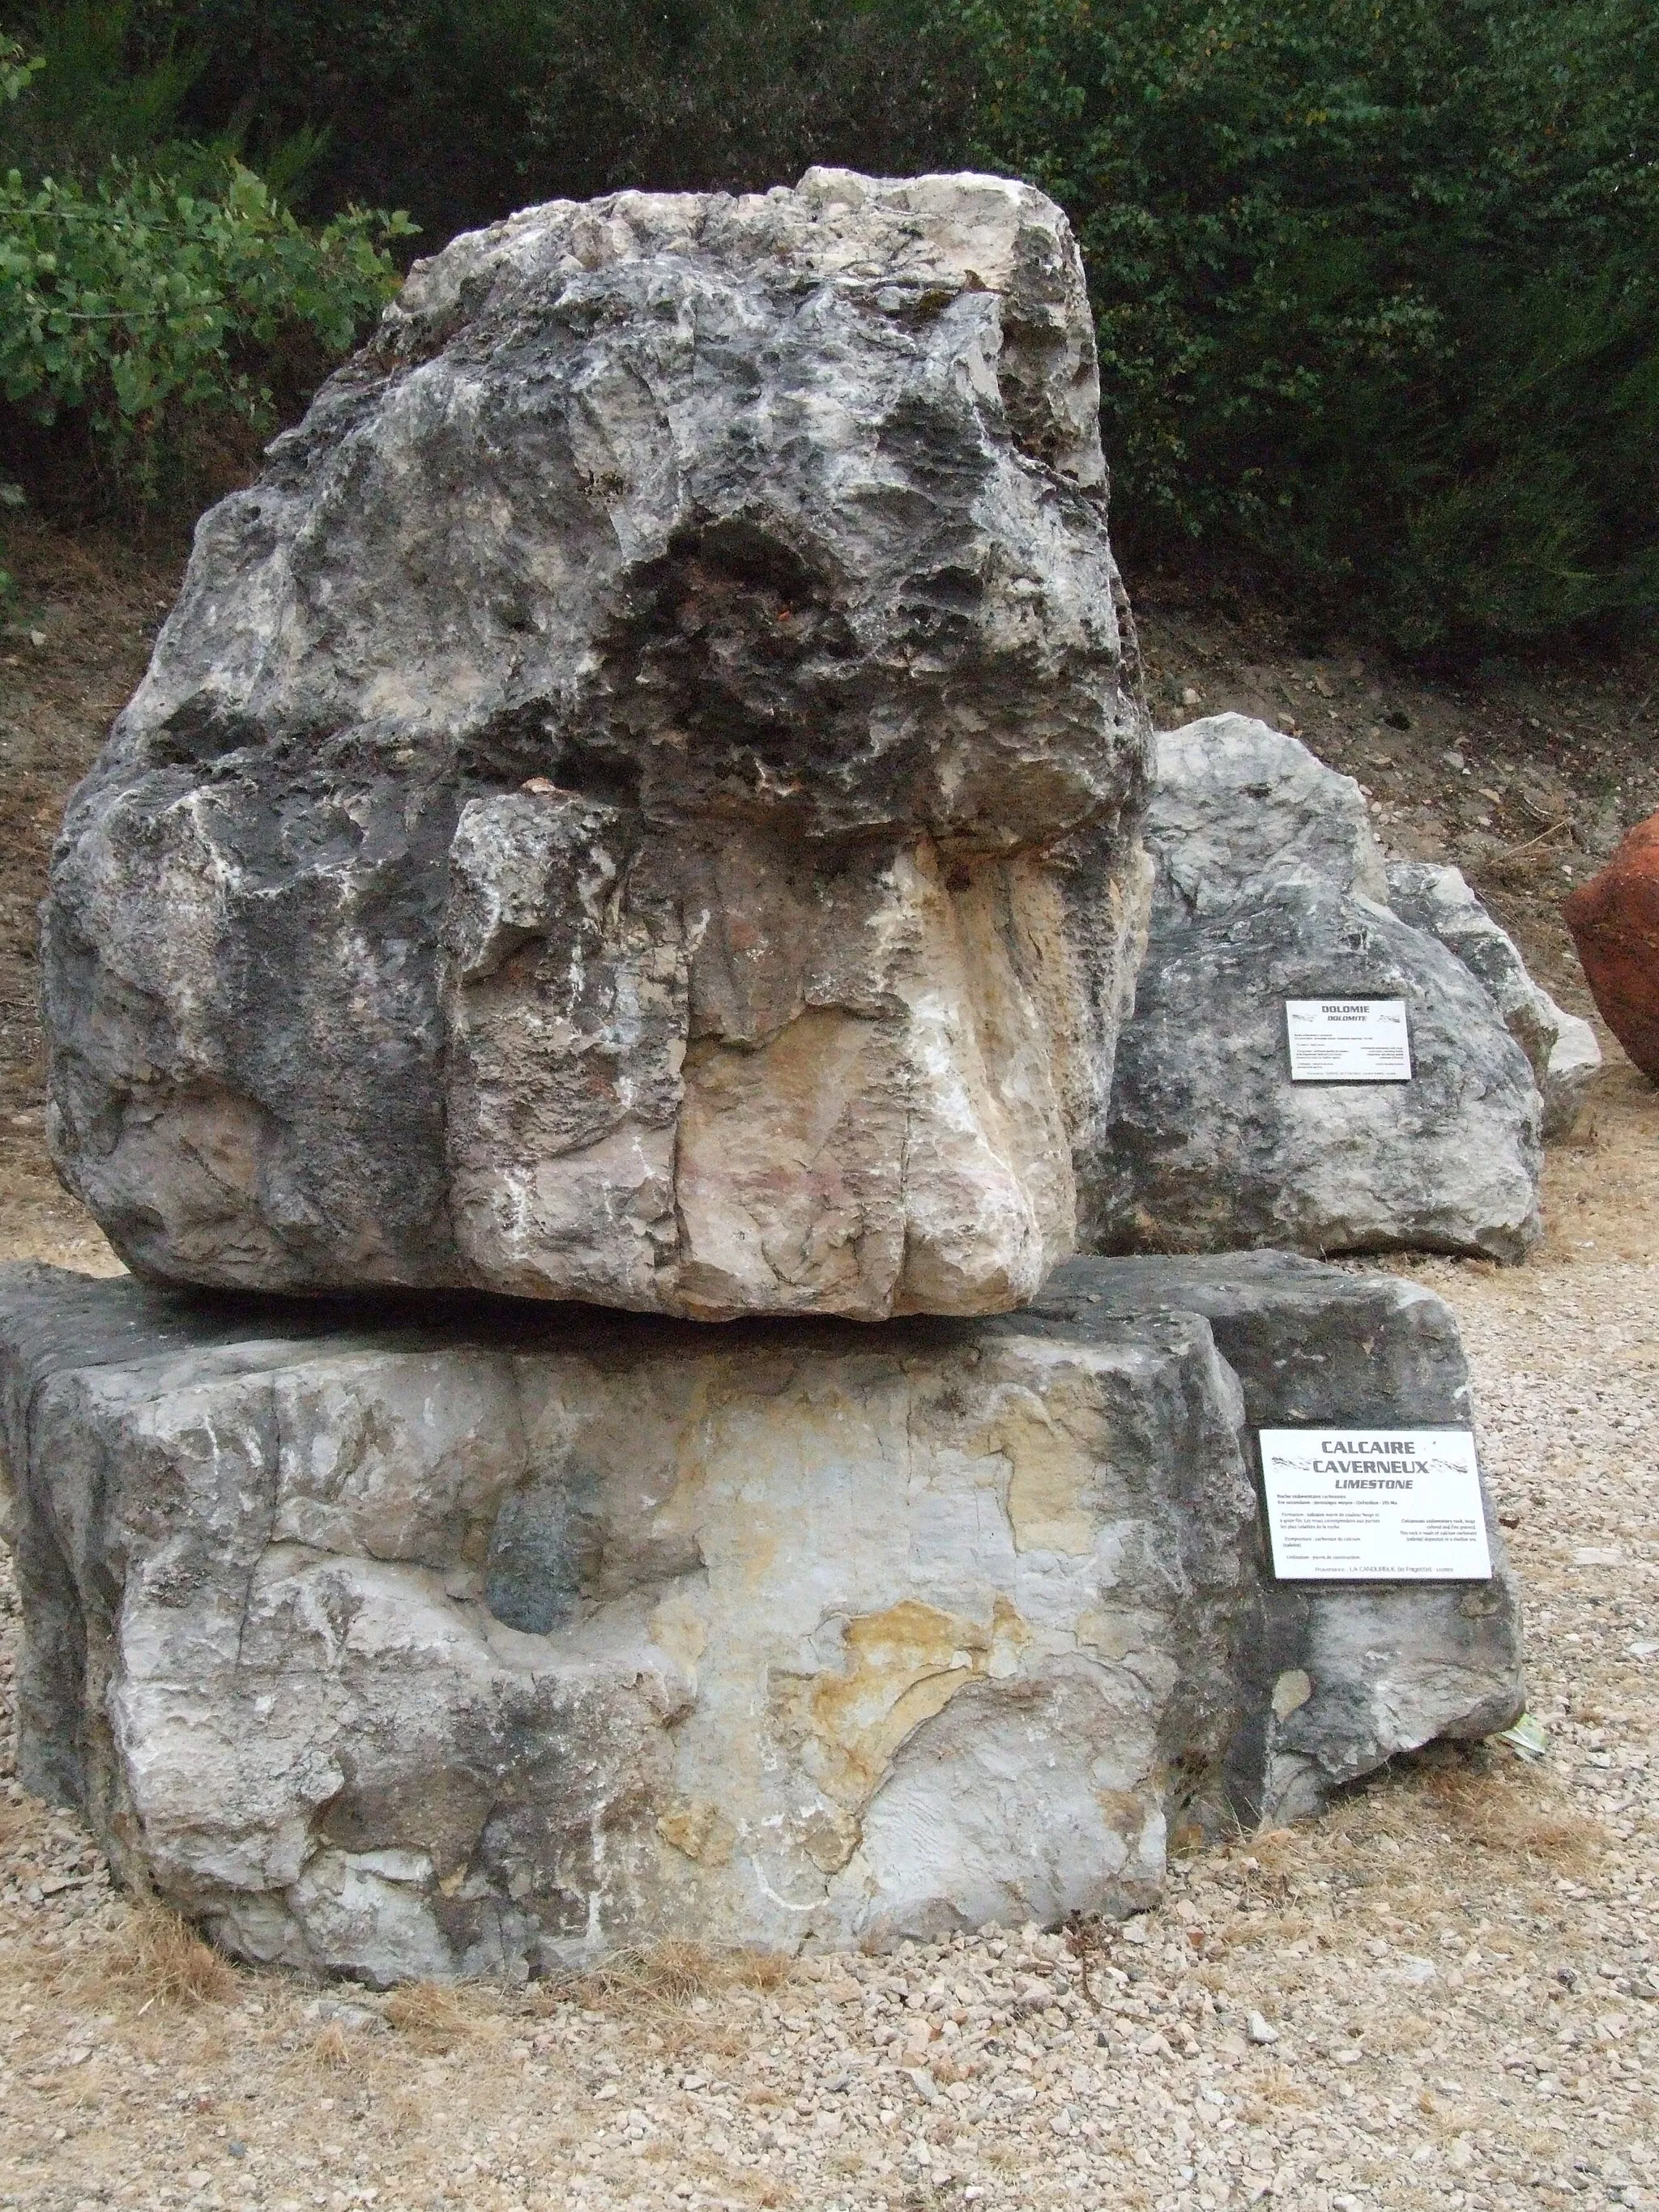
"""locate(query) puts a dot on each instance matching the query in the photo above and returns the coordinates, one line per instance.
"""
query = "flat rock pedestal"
(477, 1637)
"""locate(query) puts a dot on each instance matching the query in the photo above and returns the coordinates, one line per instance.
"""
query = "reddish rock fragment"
(1614, 921)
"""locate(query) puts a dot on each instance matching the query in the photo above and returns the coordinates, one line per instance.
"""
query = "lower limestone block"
(1335, 1679)
(480, 1637)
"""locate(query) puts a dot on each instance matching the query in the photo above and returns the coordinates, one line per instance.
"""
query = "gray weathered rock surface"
(1269, 886)
(1235, 806)
(408, 1650)
(1560, 1048)
(1213, 1147)
(487, 1638)
(639, 802)
(1334, 1681)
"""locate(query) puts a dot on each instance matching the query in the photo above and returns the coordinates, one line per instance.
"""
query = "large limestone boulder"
(1560, 1048)
(638, 803)
(1269, 886)
(484, 1640)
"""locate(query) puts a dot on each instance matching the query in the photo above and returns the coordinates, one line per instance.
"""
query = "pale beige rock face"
(867, 1114)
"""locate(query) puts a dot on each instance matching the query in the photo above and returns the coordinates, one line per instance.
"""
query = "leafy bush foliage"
(17, 69)
(141, 305)
(153, 304)
(1377, 287)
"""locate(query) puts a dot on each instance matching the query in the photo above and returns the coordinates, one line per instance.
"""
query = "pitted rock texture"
(1560, 1048)
(490, 1639)
(1236, 806)
(639, 802)
(1269, 886)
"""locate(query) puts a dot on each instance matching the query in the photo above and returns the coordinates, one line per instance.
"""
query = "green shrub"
(145, 307)
(17, 68)
(1375, 287)
(148, 307)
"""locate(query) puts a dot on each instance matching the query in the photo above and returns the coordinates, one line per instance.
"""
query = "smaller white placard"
(1375, 1505)
(1348, 1040)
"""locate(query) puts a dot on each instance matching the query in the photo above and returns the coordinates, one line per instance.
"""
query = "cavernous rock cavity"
(639, 802)
(400, 1639)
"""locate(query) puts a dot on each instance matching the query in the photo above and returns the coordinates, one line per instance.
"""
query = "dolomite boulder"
(639, 802)
(1560, 1048)
(1269, 885)
(431, 1639)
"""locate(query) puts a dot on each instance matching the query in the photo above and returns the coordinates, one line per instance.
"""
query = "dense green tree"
(160, 308)
(1377, 288)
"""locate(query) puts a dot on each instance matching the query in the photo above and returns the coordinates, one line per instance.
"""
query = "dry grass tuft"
(1277, 2088)
(762, 1969)
(332, 2048)
(430, 2015)
(1501, 1815)
(158, 1958)
(669, 1974)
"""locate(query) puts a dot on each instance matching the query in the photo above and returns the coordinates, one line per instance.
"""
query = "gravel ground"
(1445, 1993)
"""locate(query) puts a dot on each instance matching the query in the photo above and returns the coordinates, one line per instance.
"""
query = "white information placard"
(1348, 1041)
(1375, 1505)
